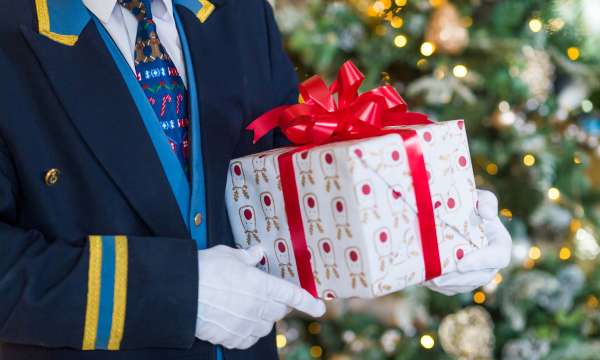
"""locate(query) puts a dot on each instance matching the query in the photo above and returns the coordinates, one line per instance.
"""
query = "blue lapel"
(191, 200)
(172, 169)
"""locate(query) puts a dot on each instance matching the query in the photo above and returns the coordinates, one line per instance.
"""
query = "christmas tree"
(525, 76)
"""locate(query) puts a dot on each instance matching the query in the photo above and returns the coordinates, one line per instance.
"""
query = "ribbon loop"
(320, 120)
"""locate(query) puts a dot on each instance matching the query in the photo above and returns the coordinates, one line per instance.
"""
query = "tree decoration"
(468, 334)
(447, 31)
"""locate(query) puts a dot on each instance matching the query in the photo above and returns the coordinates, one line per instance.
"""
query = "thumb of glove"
(251, 256)
(487, 205)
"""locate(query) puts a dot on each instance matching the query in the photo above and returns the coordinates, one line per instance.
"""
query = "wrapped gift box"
(359, 210)
(351, 226)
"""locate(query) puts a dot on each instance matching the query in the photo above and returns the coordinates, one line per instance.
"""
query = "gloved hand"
(479, 267)
(238, 303)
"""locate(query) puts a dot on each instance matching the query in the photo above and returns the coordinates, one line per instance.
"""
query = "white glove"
(238, 303)
(479, 267)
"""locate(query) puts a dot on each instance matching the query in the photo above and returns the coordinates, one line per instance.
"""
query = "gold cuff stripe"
(120, 294)
(93, 295)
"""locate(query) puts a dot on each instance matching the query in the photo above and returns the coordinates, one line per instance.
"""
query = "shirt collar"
(103, 9)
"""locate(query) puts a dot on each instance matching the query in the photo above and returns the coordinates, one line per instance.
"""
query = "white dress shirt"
(122, 27)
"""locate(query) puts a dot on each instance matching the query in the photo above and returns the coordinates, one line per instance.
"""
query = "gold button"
(51, 177)
(198, 219)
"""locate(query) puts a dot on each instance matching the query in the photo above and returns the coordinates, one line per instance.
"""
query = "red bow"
(321, 120)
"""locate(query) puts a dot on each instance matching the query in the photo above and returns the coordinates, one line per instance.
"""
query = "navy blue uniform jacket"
(83, 195)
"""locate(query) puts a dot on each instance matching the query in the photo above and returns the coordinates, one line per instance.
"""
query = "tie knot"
(141, 9)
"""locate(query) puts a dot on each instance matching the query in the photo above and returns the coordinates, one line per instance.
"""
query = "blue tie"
(161, 82)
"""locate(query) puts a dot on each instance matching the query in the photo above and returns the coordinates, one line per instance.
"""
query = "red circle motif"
(237, 170)
(451, 203)
(329, 158)
(248, 214)
(460, 253)
(339, 206)
(366, 189)
(311, 202)
(353, 255)
(267, 200)
(326, 247)
(383, 236)
(281, 247)
(427, 136)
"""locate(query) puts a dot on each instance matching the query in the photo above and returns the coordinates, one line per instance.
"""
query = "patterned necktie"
(160, 80)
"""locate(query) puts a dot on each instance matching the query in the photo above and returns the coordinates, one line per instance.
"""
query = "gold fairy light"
(316, 351)
(479, 297)
(400, 2)
(573, 53)
(427, 48)
(535, 253)
(491, 169)
(564, 253)
(460, 71)
(396, 22)
(427, 341)
(529, 160)
(535, 25)
(553, 194)
(507, 213)
(400, 41)
(281, 341)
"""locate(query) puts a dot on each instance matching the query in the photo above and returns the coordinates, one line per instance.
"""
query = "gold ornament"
(468, 334)
(447, 30)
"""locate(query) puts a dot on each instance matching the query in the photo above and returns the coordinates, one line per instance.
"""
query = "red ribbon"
(319, 120)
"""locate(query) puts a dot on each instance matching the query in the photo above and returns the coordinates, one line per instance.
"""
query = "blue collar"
(64, 20)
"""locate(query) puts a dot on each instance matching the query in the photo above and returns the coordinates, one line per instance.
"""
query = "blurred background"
(525, 75)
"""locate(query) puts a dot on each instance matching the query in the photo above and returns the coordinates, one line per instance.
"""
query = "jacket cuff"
(142, 292)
